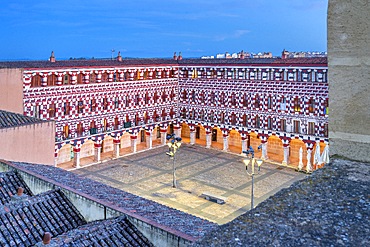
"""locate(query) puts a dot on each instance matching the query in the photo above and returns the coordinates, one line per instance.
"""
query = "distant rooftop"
(76, 63)
(11, 119)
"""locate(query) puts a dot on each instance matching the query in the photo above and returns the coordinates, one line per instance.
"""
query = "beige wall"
(33, 143)
(11, 90)
(349, 78)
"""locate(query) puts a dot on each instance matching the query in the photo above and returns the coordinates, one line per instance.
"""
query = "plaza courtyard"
(198, 170)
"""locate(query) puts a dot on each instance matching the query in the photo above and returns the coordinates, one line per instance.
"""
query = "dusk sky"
(31, 29)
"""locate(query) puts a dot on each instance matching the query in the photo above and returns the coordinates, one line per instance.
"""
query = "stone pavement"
(149, 174)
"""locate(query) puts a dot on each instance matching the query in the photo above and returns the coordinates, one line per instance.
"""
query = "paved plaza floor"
(149, 174)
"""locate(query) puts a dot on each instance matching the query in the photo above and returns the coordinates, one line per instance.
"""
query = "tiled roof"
(156, 61)
(11, 119)
(24, 223)
(87, 63)
(114, 232)
(9, 184)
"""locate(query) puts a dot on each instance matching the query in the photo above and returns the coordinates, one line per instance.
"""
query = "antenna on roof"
(112, 52)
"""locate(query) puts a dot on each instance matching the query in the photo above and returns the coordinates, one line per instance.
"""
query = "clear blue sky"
(31, 29)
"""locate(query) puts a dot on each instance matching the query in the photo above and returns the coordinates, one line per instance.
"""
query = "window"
(326, 107)
(201, 115)
(92, 105)
(326, 130)
(201, 97)
(36, 81)
(297, 126)
(258, 122)
(211, 116)
(245, 120)
(52, 110)
(297, 107)
(192, 114)
(213, 97)
(311, 105)
(80, 106)
(146, 98)
(52, 80)
(184, 96)
(245, 100)
(116, 102)
(269, 123)
(222, 117)
(183, 113)
(66, 80)
(66, 108)
(269, 102)
(257, 101)
(233, 99)
(92, 78)
(283, 125)
(164, 97)
(233, 119)
(311, 128)
(222, 98)
(283, 104)
(105, 104)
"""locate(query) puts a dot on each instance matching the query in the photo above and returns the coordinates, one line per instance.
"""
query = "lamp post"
(254, 161)
(173, 145)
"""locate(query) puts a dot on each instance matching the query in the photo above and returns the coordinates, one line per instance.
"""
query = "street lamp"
(173, 145)
(254, 161)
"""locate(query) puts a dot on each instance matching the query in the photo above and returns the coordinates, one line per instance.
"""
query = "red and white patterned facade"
(91, 102)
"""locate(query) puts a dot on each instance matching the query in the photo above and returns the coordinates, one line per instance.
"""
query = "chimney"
(46, 238)
(242, 54)
(19, 196)
(119, 57)
(180, 56)
(20, 191)
(52, 57)
(174, 56)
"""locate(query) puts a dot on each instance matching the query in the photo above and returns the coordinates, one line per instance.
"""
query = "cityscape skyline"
(31, 30)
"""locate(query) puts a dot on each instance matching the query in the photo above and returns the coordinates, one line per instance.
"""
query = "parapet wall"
(349, 77)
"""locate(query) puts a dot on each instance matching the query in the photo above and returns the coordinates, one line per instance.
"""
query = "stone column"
(244, 144)
(192, 137)
(226, 142)
(149, 138)
(97, 151)
(208, 139)
(309, 166)
(116, 143)
(286, 154)
(133, 143)
(300, 164)
(55, 159)
(76, 157)
(163, 135)
(177, 131)
(264, 151)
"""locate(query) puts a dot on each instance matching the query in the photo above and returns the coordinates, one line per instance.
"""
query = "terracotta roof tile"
(11, 119)
(24, 223)
(9, 184)
(113, 232)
